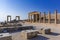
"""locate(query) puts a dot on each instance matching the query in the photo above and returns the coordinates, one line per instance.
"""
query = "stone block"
(5, 36)
(24, 35)
(29, 34)
(40, 30)
(19, 36)
(46, 31)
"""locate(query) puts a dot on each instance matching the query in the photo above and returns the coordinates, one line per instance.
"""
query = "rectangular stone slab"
(29, 34)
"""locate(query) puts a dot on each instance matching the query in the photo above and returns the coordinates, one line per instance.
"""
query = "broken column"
(40, 17)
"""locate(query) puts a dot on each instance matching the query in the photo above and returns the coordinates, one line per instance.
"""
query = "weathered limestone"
(40, 30)
(40, 17)
(28, 34)
(55, 16)
(34, 16)
(29, 17)
(19, 36)
(44, 31)
(24, 35)
(43, 18)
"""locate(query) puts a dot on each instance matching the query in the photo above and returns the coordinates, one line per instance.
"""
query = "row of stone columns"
(44, 17)
(9, 18)
(34, 17)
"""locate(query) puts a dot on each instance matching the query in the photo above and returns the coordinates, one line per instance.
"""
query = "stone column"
(31, 18)
(28, 17)
(44, 17)
(55, 16)
(49, 17)
(36, 17)
(40, 17)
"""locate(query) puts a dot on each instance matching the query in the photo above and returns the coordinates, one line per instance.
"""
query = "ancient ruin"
(8, 18)
(40, 17)
(36, 25)
(18, 18)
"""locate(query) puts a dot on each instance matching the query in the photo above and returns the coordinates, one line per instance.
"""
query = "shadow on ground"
(54, 34)
(39, 38)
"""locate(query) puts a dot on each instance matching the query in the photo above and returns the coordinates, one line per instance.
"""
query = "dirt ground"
(55, 29)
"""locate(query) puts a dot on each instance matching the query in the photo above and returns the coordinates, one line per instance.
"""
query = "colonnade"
(36, 17)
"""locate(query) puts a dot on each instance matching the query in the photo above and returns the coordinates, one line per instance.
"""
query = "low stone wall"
(6, 38)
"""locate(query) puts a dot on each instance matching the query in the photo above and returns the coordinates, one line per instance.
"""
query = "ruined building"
(44, 17)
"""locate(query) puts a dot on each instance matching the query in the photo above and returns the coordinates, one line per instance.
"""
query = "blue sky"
(23, 7)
